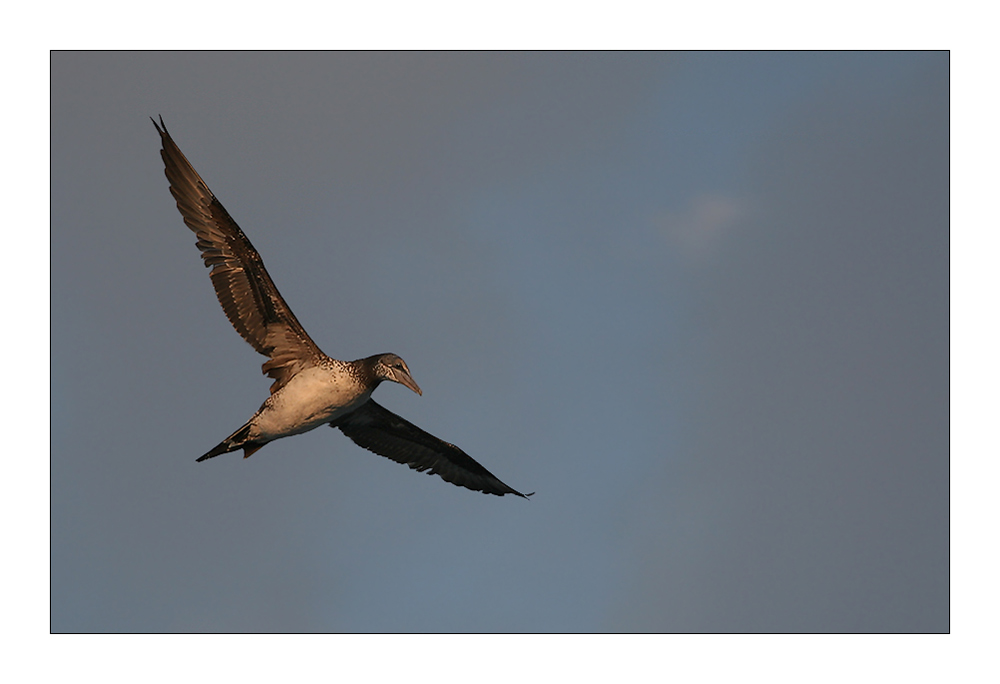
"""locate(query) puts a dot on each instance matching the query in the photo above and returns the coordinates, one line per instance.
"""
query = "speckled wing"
(248, 296)
(383, 432)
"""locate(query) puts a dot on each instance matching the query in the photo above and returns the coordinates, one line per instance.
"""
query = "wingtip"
(161, 127)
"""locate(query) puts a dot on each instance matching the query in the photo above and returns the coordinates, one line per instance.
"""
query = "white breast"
(313, 397)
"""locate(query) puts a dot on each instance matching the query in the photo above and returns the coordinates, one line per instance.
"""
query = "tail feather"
(237, 440)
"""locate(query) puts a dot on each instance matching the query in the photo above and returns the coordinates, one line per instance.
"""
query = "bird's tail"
(237, 440)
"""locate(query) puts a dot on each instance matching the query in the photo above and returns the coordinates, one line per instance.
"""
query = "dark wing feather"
(248, 296)
(379, 430)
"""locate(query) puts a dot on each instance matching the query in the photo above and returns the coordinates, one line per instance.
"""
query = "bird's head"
(391, 367)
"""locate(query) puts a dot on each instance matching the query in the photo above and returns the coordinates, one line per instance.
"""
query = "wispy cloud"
(698, 229)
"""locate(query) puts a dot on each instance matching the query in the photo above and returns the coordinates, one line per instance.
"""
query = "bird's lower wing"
(381, 431)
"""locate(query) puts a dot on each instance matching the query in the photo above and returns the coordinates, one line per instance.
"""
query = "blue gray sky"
(698, 302)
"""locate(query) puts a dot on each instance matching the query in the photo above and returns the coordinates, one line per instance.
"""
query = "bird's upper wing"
(379, 430)
(247, 294)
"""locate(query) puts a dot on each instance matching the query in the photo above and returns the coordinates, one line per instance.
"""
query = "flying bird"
(310, 388)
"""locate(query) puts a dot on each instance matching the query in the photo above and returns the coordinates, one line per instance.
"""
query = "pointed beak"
(405, 379)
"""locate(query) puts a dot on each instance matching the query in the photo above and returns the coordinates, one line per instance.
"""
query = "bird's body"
(316, 395)
(310, 389)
